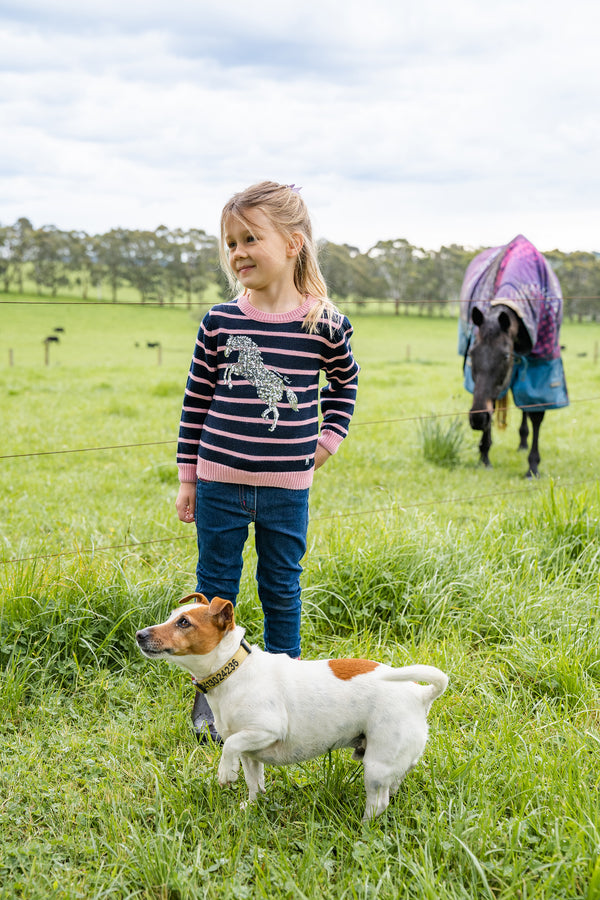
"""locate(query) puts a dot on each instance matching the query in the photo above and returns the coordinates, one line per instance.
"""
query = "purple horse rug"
(519, 276)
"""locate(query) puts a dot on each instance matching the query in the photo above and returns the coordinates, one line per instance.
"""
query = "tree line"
(161, 265)
(165, 265)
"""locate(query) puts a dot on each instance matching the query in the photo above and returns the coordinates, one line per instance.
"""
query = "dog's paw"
(227, 774)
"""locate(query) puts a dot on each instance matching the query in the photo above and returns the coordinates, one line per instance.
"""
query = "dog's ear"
(223, 612)
(199, 598)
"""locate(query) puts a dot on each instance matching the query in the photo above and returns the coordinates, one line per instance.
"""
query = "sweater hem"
(295, 481)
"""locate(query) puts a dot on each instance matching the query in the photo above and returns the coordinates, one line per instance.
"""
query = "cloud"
(433, 122)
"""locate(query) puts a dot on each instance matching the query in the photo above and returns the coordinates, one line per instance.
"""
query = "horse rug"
(517, 275)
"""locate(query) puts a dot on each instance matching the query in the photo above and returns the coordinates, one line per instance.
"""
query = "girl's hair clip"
(294, 189)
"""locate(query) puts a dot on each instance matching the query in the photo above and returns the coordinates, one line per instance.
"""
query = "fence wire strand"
(195, 305)
(419, 418)
(335, 516)
(395, 507)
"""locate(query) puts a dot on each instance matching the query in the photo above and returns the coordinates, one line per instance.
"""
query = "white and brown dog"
(272, 709)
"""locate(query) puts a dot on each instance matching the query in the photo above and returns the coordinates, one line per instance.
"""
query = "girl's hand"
(321, 456)
(186, 501)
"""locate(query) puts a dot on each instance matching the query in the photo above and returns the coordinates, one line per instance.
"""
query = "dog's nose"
(142, 636)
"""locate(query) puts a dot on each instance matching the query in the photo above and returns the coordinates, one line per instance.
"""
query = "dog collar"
(225, 671)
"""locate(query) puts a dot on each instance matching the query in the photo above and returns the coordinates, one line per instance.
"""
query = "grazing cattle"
(510, 317)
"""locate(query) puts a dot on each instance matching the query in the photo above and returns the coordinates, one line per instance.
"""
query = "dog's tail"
(437, 681)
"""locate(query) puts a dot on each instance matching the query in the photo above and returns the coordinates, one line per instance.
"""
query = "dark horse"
(511, 311)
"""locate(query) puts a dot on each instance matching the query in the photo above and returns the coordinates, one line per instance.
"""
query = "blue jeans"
(280, 516)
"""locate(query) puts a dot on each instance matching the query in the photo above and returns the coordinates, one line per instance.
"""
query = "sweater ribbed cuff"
(187, 473)
(330, 440)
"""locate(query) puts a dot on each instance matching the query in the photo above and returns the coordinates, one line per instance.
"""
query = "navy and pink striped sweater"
(251, 406)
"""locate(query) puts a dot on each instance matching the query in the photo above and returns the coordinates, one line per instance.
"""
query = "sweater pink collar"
(259, 315)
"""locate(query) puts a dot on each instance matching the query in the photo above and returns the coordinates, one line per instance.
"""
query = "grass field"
(103, 791)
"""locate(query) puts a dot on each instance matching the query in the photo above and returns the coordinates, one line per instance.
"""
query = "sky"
(465, 122)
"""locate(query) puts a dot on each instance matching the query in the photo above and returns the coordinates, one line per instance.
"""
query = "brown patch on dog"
(194, 631)
(345, 669)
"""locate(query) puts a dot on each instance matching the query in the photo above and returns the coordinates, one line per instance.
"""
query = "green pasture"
(493, 578)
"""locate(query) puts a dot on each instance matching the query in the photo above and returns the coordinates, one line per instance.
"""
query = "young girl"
(249, 439)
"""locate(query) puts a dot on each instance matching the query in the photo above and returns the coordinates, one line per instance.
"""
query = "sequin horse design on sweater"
(269, 384)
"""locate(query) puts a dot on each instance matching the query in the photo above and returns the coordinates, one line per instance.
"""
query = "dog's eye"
(183, 622)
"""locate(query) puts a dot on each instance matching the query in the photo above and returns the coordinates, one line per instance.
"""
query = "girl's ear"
(295, 244)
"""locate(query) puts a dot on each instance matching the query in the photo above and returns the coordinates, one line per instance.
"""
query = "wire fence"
(395, 507)
(136, 545)
(200, 303)
(422, 503)
(419, 418)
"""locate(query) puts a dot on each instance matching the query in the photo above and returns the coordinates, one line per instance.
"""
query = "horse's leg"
(275, 411)
(523, 432)
(230, 371)
(484, 445)
(534, 454)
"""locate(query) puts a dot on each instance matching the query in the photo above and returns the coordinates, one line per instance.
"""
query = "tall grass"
(103, 790)
(442, 441)
(106, 793)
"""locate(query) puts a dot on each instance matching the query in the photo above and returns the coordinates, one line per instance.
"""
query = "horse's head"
(232, 344)
(491, 360)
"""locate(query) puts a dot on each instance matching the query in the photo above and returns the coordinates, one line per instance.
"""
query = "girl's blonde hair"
(287, 212)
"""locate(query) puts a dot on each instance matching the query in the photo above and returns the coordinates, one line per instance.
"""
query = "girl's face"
(260, 256)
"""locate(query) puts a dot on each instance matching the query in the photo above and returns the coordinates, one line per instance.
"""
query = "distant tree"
(84, 261)
(16, 250)
(50, 258)
(579, 276)
(192, 262)
(451, 264)
(395, 263)
(366, 279)
(164, 264)
(5, 256)
(208, 246)
(427, 285)
(215, 271)
(145, 263)
(334, 260)
(112, 250)
(348, 273)
(167, 256)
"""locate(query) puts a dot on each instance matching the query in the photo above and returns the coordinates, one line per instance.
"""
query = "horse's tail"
(292, 399)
